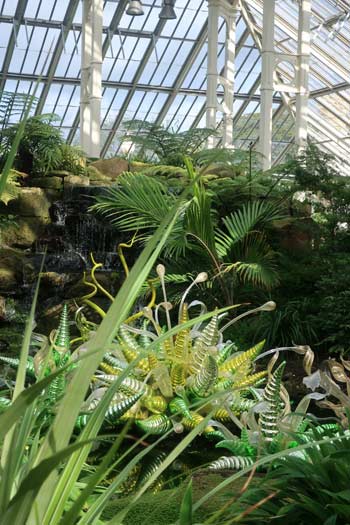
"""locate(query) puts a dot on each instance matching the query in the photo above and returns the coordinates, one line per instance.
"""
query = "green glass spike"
(62, 338)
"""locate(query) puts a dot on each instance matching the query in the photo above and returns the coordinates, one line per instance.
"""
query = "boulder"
(76, 180)
(111, 167)
(25, 233)
(31, 202)
(96, 176)
(11, 269)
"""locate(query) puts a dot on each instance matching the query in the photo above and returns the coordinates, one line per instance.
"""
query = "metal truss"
(157, 70)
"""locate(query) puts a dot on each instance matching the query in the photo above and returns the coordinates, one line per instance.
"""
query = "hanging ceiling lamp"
(168, 11)
(135, 8)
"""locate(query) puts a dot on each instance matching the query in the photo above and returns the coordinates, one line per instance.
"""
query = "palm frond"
(254, 261)
(139, 203)
(136, 203)
(241, 222)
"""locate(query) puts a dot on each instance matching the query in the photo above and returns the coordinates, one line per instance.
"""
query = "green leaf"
(17, 512)
(60, 432)
(16, 439)
(186, 513)
(118, 520)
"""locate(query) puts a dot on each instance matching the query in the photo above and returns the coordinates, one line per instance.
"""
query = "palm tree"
(232, 250)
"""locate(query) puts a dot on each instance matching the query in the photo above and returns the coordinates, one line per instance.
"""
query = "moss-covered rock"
(11, 268)
(32, 202)
(58, 173)
(76, 180)
(2, 308)
(26, 232)
(8, 279)
(96, 176)
(136, 166)
(111, 168)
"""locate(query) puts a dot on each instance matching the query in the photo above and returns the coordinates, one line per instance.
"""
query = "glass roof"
(156, 70)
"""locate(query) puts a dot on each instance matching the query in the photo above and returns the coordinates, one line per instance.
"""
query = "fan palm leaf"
(242, 222)
(139, 203)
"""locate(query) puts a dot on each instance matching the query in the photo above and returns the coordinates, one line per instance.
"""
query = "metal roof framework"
(156, 70)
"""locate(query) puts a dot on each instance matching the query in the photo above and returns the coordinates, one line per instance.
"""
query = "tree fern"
(167, 146)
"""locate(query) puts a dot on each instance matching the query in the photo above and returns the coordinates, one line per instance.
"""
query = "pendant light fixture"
(135, 8)
(168, 11)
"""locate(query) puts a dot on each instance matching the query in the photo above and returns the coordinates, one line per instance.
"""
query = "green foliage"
(9, 151)
(42, 148)
(313, 303)
(73, 160)
(30, 489)
(167, 146)
(13, 107)
(238, 251)
(304, 491)
(186, 512)
(290, 322)
(11, 189)
(243, 240)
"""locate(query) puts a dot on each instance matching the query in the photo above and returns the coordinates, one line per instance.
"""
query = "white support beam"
(91, 77)
(228, 10)
(267, 82)
(229, 76)
(302, 74)
(212, 72)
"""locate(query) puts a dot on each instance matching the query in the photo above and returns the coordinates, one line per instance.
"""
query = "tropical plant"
(31, 490)
(42, 148)
(293, 321)
(8, 152)
(167, 146)
(13, 107)
(313, 489)
(238, 250)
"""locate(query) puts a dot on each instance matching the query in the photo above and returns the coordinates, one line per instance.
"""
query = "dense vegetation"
(95, 425)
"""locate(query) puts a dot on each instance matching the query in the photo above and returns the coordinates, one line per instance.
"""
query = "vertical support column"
(267, 88)
(91, 77)
(302, 74)
(86, 45)
(229, 76)
(212, 73)
(228, 10)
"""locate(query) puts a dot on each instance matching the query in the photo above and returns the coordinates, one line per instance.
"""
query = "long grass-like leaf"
(16, 439)
(186, 511)
(99, 504)
(17, 512)
(59, 434)
(118, 519)
(98, 476)
(70, 473)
